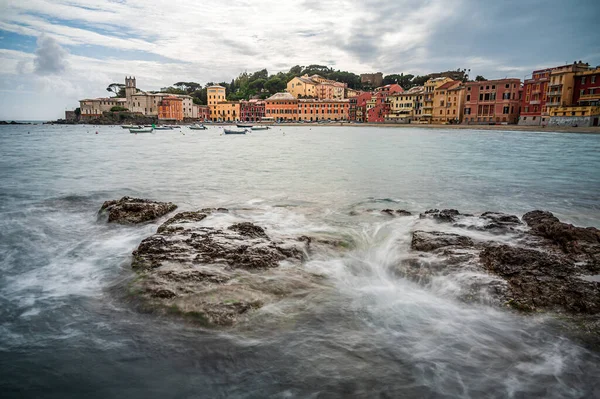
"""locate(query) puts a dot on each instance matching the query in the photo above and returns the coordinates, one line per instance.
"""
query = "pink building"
(360, 107)
(252, 110)
(492, 102)
(390, 89)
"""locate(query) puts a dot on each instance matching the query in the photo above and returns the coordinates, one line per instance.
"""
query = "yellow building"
(448, 102)
(405, 107)
(302, 87)
(214, 95)
(561, 86)
(428, 97)
(316, 86)
(227, 111)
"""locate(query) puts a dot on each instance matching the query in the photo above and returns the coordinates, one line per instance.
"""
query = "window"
(581, 92)
(507, 86)
(469, 88)
(468, 97)
(593, 79)
(505, 110)
(583, 80)
(493, 87)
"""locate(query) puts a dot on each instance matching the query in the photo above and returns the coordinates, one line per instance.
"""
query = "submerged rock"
(216, 275)
(397, 212)
(129, 210)
(500, 221)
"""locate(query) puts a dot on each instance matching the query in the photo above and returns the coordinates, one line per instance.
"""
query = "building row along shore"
(566, 95)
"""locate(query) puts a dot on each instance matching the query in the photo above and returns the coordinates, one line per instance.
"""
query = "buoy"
(96, 132)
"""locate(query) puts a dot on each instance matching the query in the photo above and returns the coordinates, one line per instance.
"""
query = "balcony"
(554, 93)
(536, 91)
(553, 104)
(535, 102)
(428, 107)
(554, 84)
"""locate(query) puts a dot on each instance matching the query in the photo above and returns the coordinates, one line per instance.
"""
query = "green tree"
(117, 108)
(117, 88)
(480, 78)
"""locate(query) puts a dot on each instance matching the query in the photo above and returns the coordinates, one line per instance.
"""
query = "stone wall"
(529, 121)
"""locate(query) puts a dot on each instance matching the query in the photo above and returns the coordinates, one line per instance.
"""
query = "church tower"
(130, 88)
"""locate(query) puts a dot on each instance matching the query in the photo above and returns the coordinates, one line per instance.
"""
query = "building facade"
(361, 106)
(214, 95)
(94, 107)
(492, 102)
(252, 110)
(227, 111)
(585, 104)
(448, 103)
(319, 110)
(533, 103)
(282, 107)
(170, 108)
(428, 97)
(405, 107)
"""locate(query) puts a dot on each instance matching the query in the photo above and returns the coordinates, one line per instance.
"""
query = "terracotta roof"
(447, 85)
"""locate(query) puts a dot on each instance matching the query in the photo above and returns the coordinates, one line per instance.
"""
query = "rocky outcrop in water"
(545, 267)
(216, 275)
(129, 210)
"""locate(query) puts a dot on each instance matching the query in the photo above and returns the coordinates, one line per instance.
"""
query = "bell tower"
(130, 88)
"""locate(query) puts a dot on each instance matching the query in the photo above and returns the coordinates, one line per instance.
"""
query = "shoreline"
(515, 128)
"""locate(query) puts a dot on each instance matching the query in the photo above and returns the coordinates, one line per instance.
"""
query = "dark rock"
(542, 280)
(570, 239)
(445, 215)
(129, 210)
(249, 230)
(432, 240)
(500, 221)
(216, 276)
(397, 212)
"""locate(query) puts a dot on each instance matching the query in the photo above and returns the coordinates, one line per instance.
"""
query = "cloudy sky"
(55, 52)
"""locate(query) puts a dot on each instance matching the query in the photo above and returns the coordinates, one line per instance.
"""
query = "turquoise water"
(66, 331)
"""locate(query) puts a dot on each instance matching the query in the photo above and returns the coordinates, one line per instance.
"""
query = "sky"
(56, 52)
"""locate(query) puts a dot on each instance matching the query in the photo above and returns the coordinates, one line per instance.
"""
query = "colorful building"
(389, 89)
(227, 111)
(533, 103)
(405, 107)
(316, 86)
(428, 97)
(202, 112)
(562, 85)
(585, 108)
(170, 108)
(492, 102)
(282, 107)
(448, 103)
(252, 110)
(318, 110)
(214, 95)
(361, 106)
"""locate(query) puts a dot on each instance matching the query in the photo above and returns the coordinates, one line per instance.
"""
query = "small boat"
(141, 130)
(128, 126)
(244, 125)
(232, 131)
(163, 128)
(260, 127)
(197, 127)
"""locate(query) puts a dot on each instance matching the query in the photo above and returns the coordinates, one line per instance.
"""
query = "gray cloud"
(50, 57)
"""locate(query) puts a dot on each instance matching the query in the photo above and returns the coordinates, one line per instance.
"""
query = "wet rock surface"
(129, 210)
(550, 266)
(216, 275)
(397, 212)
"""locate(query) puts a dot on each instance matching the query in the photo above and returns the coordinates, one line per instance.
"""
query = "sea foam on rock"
(129, 210)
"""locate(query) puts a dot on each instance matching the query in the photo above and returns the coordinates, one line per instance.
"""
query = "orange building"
(170, 108)
(318, 110)
(282, 106)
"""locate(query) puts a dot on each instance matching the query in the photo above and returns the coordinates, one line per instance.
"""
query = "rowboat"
(244, 125)
(232, 131)
(197, 127)
(141, 130)
(260, 128)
